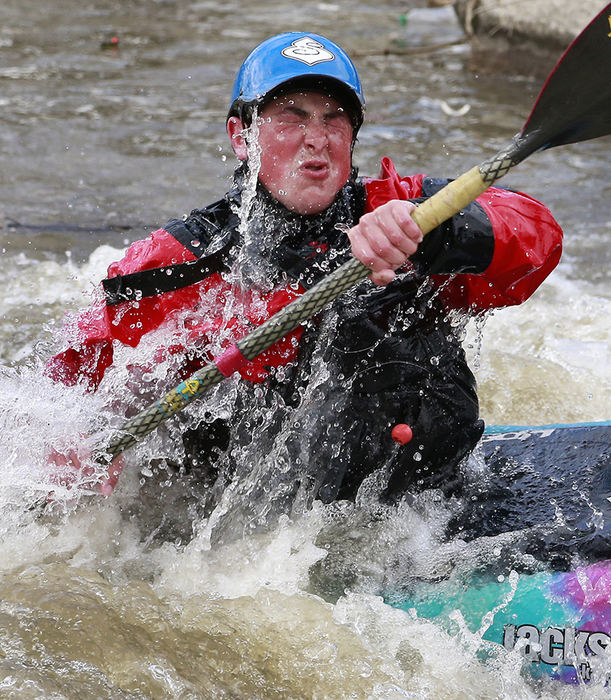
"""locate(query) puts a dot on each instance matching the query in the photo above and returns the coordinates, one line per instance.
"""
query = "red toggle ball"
(401, 433)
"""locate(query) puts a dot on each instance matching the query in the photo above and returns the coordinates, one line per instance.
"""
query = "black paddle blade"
(575, 102)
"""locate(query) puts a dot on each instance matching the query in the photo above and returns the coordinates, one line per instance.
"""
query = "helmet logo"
(308, 50)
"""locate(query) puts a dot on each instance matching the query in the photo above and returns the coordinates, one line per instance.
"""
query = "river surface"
(101, 143)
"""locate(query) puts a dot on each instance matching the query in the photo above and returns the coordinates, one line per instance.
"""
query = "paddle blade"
(575, 102)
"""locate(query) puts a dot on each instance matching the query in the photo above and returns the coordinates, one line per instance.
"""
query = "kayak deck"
(554, 477)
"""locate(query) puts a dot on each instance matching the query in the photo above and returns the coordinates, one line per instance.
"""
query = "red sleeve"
(527, 247)
(93, 331)
(90, 355)
(527, 243)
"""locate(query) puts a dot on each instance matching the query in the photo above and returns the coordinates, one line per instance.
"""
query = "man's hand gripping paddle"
(574, 105)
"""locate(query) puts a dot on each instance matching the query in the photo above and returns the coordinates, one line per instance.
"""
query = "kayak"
(558, 622)
(551, 486)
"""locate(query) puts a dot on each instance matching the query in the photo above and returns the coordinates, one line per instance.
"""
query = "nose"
(315, 133)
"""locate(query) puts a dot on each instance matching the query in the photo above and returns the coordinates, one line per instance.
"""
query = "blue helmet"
(294, 61)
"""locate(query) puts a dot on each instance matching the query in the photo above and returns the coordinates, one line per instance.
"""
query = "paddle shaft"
(428, 215)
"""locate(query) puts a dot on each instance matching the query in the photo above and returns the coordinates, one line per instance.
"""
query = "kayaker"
(387, 353)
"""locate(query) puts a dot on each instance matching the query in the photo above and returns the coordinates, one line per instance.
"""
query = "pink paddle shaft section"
(230, 361)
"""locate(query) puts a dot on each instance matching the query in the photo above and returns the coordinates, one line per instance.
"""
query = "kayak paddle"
(574, 105)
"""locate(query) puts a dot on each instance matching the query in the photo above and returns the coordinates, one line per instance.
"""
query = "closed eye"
(292, 115)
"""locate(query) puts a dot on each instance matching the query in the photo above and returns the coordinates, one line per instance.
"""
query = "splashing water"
(131, 597)
(134, 597)
(160, 591)
(251, 266)
(172, 589)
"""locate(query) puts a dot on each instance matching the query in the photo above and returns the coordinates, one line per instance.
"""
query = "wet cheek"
(342, 171)
(272, 160)
(341, 154)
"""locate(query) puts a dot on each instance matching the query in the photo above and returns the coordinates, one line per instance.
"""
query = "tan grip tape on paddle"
(450, 200)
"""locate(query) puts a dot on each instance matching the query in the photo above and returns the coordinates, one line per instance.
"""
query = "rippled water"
(99, 145)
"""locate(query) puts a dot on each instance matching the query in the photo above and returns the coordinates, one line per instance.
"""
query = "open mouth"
(315, 168)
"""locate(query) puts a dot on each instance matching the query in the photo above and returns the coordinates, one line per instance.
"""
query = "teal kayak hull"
(558, 620)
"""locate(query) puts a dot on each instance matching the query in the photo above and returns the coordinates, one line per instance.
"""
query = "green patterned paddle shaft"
(441, 206)
(134, 429)
(303, 308)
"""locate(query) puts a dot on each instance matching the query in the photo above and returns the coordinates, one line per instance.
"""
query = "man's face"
(306, 150)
